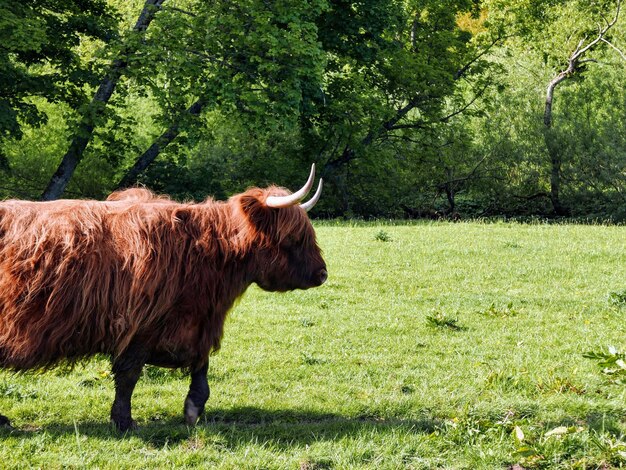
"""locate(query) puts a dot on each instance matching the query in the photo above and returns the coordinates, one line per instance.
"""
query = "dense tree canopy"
(41, 55)
(410, 108)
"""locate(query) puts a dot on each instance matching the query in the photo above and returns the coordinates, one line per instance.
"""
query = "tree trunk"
(82, 135)
(450, 193)
(552, 145)
(145, 159)
(574, 62)
(555, 173)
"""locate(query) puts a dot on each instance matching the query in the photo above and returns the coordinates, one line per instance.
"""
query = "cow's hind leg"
(4, 421)
(126, 370)
(198, 394)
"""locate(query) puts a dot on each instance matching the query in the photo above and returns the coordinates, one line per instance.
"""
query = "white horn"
(307, 206)
(292, 199)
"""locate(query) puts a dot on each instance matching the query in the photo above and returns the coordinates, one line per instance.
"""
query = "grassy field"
(432, 345)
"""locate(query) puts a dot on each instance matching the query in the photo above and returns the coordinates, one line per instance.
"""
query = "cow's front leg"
(198, 394)
(126, 370)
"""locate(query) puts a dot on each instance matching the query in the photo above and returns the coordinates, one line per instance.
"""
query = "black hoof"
(5, 422)
(124, 424)
(192, 412)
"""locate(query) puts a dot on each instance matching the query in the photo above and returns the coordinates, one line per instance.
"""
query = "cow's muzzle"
(321, 276)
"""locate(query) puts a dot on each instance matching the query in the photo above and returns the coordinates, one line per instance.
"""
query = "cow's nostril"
(323, 275)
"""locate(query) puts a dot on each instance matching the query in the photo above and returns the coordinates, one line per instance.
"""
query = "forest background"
(409, 108)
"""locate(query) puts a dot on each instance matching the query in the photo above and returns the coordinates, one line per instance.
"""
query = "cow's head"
(277, 228)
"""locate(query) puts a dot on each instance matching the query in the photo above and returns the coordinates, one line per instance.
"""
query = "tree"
(91, 114)
(392, 75)
(418, 104)
(380, 71)
(253, 61)
(575, 29)
(576, 64)
(39, 57)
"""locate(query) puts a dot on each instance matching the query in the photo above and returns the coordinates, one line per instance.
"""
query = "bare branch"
(601, 33)
(459, 73)
(615, 48)
(464, 107)
(575, 60)
(180, 10)
(414, 27)
(423, 125)
(580, 44)
(408, 125)
(468, 176)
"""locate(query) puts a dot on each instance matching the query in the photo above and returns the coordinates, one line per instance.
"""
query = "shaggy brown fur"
(83, 277)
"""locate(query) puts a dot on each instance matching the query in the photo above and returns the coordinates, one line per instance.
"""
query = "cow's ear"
(262, 218)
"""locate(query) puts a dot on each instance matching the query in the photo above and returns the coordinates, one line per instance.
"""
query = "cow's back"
(80, 277)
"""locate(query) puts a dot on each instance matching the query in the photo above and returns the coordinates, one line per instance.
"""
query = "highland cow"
(144, 279)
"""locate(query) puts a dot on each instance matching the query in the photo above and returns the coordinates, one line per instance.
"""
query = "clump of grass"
(441, 320)
(316, 465)
(16, 392)
(611, 362)
(309, 359)
(617, 299)
(160, 375)
(305, 322)
(512, 245)
(382, 236)
(506, 381)
(90, 382)
(560, 385)
(500, 312)
(612, 448)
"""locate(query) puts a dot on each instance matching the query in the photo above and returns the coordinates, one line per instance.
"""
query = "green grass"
(355, 375)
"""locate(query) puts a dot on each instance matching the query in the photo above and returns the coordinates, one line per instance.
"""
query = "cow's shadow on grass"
(238, 426)
(283, 429)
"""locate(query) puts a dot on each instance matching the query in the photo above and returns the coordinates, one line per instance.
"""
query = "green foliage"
(410, 109)
(40, 57)
(384, 56)
(611, 362)
(247, 59)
